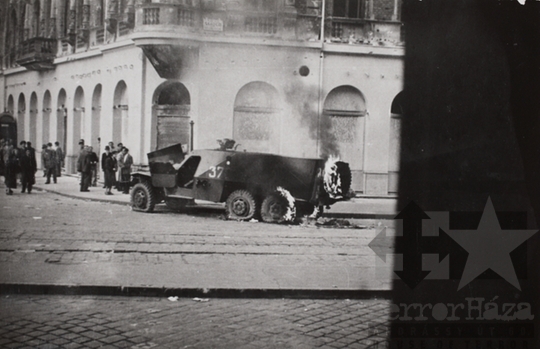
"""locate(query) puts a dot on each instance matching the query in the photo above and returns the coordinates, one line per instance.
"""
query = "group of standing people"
(115, 162)
(116, 165)
(18, 160)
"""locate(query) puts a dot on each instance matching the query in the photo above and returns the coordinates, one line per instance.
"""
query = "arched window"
(33, 112)
(61, 119)
(11, 105)
(120, 113)
(21, 116)
(173, 103)
(96, 119)
(45, 128)
(79, 112)
(256, 124)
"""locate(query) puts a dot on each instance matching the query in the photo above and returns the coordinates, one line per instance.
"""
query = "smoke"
(303, 101)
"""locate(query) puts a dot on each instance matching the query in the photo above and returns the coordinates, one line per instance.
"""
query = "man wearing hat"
(86, 169)
(60, 156)
(43, 154)
(80, 158)
(50, 163)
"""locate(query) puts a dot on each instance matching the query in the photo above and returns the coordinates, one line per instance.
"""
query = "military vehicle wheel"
(142, 197)
(346, 177)
(276, 208)
(177, 204)
(241, 205)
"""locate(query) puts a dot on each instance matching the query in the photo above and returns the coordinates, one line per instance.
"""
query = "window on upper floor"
(349, 8)
(261, 5)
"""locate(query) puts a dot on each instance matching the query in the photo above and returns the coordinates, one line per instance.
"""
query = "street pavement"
(53, 322)
(251, 279)
(51, 240)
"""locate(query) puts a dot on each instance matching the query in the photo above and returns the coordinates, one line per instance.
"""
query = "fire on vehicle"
(252, 185)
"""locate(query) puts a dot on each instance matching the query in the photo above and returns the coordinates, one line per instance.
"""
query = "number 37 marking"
(215, 171)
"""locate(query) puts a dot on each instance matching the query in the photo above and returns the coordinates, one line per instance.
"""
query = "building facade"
(293, 77)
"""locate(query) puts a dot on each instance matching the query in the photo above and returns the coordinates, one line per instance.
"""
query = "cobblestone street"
(46, 239)
(50, 322)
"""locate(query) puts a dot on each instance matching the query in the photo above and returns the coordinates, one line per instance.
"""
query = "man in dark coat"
(94, 161)
(108, 165)
(86, 169)
(2, 165)
(60, 156)
(11, 163)
(28, 170)
(50, 163)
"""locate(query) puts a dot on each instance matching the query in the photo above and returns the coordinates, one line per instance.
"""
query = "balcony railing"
(369, 32)
(37, 53)
(260, 24)
(151, 16)
(292, 25)
(185, 17)
(167, 15)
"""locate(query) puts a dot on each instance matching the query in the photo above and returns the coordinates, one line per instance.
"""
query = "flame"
(291, 208)
(332, 179)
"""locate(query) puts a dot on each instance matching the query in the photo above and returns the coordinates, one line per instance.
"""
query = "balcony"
(37, 54)
(171, 33)
(156, 20)
(364, 32)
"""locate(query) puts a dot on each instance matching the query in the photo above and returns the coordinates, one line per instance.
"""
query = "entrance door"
(8, 127)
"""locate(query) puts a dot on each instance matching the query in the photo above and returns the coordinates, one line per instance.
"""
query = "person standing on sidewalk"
(22, 147)
(50, 163)
(32, 151)
(86, 169)
(11, 162)
(28, 171)
(60, 156)
(120, 162)
(125, 168)
(80, 158)
(43, 154)
(2, 164)
(108, 165)
(94, 161)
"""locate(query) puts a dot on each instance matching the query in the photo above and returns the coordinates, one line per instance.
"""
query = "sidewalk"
(68, 185)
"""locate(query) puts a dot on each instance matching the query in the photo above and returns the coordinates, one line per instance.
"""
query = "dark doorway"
(8, 127)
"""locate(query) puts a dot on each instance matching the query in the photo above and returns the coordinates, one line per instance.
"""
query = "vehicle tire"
(343, 174)
(241, 205)
(176, 204)
(143, 197)
(344, 171)
(276, 208)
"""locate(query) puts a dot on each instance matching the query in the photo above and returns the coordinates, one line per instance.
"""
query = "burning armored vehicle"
(272, 187)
